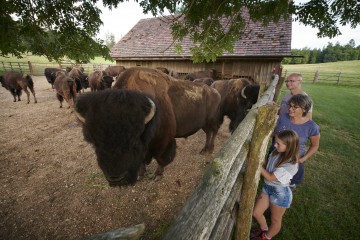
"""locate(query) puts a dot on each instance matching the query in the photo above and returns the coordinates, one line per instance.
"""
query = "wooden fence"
(221, 206)
(337, 78)
(37, 69)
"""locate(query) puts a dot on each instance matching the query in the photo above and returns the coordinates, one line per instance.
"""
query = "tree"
(62, 28)
(110, 40)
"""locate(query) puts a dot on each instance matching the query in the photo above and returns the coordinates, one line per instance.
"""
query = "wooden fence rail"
(37, 69)
(337, 78)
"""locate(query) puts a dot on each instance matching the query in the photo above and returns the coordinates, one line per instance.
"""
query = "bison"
(211, 73)
(65, 88)
(121, 125)
(237, 97)
(15, 82)
(80, 78)
(114, 71)
(195, 106)
(99, 80)
(182, 108)
(50, 74)
(208, 81)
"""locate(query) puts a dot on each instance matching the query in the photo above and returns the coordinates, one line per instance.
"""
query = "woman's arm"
(314, 146)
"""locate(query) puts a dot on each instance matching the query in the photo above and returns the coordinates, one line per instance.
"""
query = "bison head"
(245, 99)
(107, 80)
(120, 125)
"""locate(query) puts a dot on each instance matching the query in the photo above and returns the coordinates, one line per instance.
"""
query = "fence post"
(31, 68)
(338, 81)
(265, 123)
(316, 76)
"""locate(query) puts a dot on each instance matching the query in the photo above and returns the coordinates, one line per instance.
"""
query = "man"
(293, 83)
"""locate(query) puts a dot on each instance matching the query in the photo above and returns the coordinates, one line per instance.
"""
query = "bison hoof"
(157, 178)
(205, 152)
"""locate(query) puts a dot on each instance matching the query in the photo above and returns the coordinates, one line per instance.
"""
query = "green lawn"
(352, 67)
(327, 205)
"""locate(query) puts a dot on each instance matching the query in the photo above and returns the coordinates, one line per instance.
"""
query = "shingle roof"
(151, 38)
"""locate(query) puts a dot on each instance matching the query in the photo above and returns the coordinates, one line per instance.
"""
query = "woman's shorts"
(279, 196)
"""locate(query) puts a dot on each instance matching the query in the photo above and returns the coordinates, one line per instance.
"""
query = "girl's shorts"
(279, 196)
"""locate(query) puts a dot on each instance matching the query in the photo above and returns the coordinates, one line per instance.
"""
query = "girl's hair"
(303, 101)
(291, 139)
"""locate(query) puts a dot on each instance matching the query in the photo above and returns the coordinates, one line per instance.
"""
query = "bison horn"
(151, 113)
(78, 116)
(243, 93)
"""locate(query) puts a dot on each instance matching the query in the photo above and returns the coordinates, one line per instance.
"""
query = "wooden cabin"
(260, 49)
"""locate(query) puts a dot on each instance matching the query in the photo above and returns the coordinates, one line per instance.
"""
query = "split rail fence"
(37, 69)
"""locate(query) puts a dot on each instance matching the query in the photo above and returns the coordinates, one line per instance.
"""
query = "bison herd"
(139, 118)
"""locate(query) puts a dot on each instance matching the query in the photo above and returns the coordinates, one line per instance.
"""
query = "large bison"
(209, 73)
(15, 82)
(182, 108)
(50, 74)
(122, 125)
(114, 71)
(237, 97)
(99, 80)
(195, 106)
(65, 87)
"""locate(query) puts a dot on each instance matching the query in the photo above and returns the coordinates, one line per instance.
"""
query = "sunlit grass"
(327, 205)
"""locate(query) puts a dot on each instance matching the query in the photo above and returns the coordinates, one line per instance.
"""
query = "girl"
(281, 166)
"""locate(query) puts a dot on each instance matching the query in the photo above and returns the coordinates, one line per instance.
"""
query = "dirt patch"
(52, 188)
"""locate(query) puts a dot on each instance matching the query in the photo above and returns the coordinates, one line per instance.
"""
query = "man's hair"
(298, 76)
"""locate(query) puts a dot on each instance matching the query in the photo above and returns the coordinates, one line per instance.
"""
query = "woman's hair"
(291, 139)
(303, 101)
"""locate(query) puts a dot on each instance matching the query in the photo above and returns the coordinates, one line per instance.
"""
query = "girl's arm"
(268, 176)
(314, 146)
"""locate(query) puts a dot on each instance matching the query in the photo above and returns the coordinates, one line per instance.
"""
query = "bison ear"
(151, 113)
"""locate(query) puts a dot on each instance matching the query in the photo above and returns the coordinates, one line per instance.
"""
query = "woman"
(297, 119)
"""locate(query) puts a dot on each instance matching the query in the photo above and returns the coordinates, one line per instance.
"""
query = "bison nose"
(117, 180)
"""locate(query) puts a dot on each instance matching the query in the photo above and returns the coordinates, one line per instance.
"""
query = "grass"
(345, 66)
(339, 73)
(327, 205)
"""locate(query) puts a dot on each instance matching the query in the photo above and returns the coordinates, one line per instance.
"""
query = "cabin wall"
(257, 70)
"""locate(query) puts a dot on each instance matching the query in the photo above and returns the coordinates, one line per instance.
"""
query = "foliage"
(55, 29)
(58, 29)
(332, 53)
(110, 40)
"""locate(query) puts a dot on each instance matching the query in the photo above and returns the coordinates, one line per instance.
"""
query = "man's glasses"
(293, 106)
(292, 81)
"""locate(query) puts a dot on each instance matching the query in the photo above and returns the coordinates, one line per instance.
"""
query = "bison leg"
(33, 93)
(60, 98)
(27, 94)
(166, 157)
(210, 139)
(13, 93)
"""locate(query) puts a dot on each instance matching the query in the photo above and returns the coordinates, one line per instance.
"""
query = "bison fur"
(15, 82)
